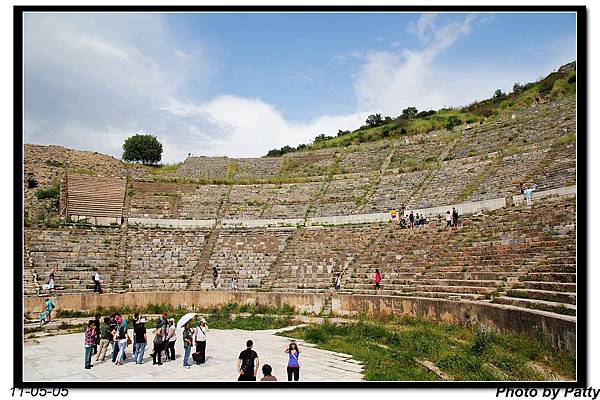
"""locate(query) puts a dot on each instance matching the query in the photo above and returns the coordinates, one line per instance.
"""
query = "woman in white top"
(171, 337)
(200, 337)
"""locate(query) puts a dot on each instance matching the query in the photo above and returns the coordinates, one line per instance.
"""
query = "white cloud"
(93, 80)
(389, 81)
(424, 26)
(392, 80)
(253, 127)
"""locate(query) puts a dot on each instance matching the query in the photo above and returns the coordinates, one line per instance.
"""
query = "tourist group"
(112, 332)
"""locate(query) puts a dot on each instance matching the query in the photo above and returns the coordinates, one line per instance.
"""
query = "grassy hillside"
(412, 122)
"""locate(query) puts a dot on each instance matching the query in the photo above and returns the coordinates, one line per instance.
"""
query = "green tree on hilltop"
(409, 112)
(499, 94)
(142, 148)
(374, 120)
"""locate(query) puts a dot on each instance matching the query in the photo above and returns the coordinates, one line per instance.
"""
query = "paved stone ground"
(56, 358)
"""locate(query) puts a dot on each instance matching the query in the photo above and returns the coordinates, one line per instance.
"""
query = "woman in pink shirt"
(377, 278)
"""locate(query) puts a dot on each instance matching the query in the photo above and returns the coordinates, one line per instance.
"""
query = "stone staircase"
(203, 271)
(245, 253)
(315, 254)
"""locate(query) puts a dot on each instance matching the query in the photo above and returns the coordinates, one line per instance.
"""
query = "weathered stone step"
(544, 305)
(459, 282)
(566, 277)
(446, 295)
(454, 289)
(565, 268)
(494, 276)
(559, 297)
(549, 286)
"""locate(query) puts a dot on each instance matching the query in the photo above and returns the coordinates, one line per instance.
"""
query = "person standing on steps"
(377, 278)
(200, 336)
(51, 279)
(448, 219)
(215, 276)
(48, 310)
(234, 281)
(454, 217)
(527, 193)
(97, 280)
(293, 366)
(338, 282)
(246, 365)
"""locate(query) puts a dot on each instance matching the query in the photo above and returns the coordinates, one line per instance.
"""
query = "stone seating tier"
(516, 255)
(75, 253)
(163, 259)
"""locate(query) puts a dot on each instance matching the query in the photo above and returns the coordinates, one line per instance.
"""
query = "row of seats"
(524, 256)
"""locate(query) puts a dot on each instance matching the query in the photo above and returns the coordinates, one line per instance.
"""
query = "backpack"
(94, 277)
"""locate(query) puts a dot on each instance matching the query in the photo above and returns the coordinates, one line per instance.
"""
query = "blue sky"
(241, 84)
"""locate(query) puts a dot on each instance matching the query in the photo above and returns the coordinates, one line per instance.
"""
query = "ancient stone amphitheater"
(287, 225)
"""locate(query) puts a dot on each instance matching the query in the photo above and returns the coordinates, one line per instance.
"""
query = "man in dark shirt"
(114, 338)
(245, 364)
(139, 332)
(454, 217)
(98, 333)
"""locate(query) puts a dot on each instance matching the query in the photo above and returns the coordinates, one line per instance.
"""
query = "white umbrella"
(185, 319)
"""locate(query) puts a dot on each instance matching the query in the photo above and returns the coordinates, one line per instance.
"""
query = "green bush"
(546, 86)
(481, 342)
(49, 193)
(453, 121)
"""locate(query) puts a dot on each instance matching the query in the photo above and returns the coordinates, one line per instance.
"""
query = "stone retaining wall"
(312, 303)
(557, 330)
